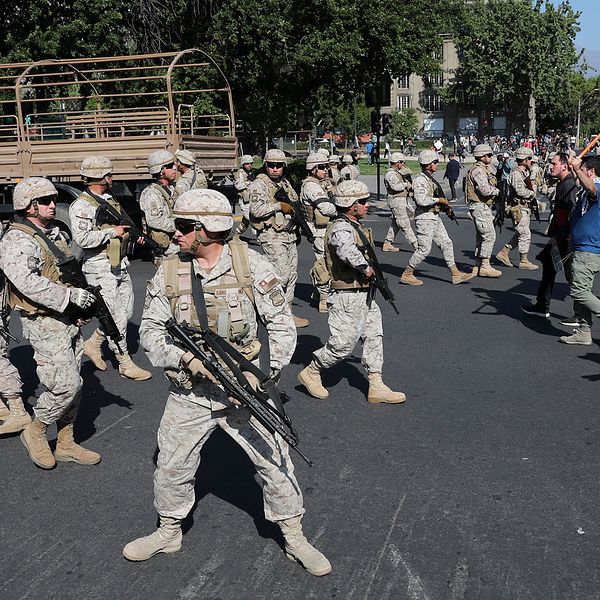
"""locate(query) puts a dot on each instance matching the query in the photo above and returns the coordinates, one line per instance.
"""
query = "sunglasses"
(322, 167)
(489, 155)
(362, 201)
(275, 165)
(169, 166)
(435, 162)
(46, 200)
(184, 226)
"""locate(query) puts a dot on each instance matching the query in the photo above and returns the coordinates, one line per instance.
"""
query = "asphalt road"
(483, 485)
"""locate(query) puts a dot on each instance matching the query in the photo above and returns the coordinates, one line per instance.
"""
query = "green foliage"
(404, 124)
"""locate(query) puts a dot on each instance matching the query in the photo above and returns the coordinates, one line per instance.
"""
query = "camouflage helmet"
(481, 150)
(245, 159)
(209, 207)
(157, 160)
(396, 157)
(95, 167)
(30, 189)
(523, 153)
(334, 159)
(314, 159)
(347, 159)
(324, 152)
(350, 191)
(185, 157)
(275, 155)
(426, 157)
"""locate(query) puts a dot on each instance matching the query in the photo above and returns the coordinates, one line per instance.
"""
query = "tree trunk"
(531, 115)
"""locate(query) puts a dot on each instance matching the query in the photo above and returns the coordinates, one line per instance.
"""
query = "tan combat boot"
(380, 393)
(310, 378)
(92, 348)
(503, 256)
(458, 276)
(486, 269)
(525, 264)
(299, 322)
(323, 304)
(389, 247)
(129, 370)
(580, 337)
(18, 418)
(409, 278)
(167, 539)
(34, 439)
(68, 451)
(4, 411)
(297, 548)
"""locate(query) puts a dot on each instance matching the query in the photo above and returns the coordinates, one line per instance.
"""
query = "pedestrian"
(352, 315)
(452, 173)
(197, 405)
(30, 253)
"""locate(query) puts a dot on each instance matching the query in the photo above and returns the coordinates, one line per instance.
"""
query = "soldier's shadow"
(595, 358)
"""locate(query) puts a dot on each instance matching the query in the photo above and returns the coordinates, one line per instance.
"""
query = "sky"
(588, 21)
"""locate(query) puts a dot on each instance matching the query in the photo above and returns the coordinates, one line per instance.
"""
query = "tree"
(404, 124)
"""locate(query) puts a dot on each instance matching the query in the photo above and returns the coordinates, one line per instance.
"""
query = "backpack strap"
(241, 266)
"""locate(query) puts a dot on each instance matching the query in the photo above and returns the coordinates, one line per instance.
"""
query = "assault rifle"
(297, 217)
(107, 215)
(502, 200)
(533, 203)
(443, 207)
(4, 310)
(264, 403)
(378, 281)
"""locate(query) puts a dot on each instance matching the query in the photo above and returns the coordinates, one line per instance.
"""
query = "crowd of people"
(208, 278)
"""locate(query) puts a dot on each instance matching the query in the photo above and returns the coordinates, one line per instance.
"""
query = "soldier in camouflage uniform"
(523, 195)
(271, 220)
(398, 188)
(480, 194)
(351, 316)
(318, 210)
(430, 200)
(47, 308)
(349, 170)
(191, 176)
(242, 179)
(13, 418)
(156, 200)
(334, 169)
(105, 261)
(196, 406)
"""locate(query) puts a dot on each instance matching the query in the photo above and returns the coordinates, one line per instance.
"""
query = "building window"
(403, 102)
(435, 79)
(431, 102)
(438, 53)
(403, 81)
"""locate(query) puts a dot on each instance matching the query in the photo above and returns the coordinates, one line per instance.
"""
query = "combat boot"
(4, 411)
(297, 548)
(34, 439)
(379, 393)
(129, 370)
(92, 348)
(323, 304)
(503, 256)
(486, 269)
(17, 419)
(68, 451)
(409, 278)
(525, 264)
(167, 539)
(580, 337)
(389, 247)
(458, 276)
(299, 322)
(310, 378)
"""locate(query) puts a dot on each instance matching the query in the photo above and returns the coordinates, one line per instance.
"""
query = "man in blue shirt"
(585, 237)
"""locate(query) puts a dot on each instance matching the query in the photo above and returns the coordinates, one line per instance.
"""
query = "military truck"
(54, 113)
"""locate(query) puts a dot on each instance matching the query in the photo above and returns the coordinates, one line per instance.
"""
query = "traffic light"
(386, 123)
(375, 121)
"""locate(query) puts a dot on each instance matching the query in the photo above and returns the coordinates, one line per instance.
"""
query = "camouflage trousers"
(431, 230)
(57, 352)
(351, 320)
(319, 251)
(522, 235)
(280, 248)
(400, 221)
(117, 291)
(10, 381)
(485, 231)
(185, 427)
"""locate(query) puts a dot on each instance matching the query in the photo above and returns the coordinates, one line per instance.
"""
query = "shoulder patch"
(266, 284)
(277, 297)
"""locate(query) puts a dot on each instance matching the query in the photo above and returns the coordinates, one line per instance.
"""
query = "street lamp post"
(579, 112)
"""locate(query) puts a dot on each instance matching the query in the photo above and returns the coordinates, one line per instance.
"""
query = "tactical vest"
(311, 211)
(390, 191)
(432, 191)
(162, 238)
(224, 297)
(470, 191)
(49, 270)
(115, 248)
(279, 221)
(343, 276)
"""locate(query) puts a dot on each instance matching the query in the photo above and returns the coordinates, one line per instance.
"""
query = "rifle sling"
(60, 256)
(366, 245)
(234, 359)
